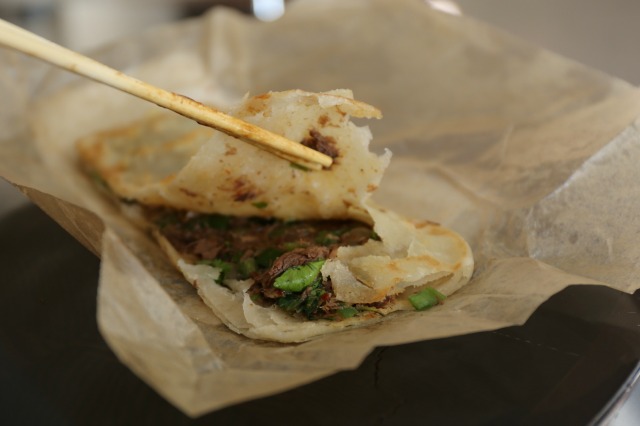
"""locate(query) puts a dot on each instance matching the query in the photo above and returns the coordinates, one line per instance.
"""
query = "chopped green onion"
(306, 303)
(215, 221)
(326, 238)
(225, 267)
(281, 228)
(289, 304)
(298, 278)
(348, 312)
(260, 204)
(266, 257)
(235, 256)
(426, 299)
(247, 267)
(292, 246)
(256, 298)
(366, 308)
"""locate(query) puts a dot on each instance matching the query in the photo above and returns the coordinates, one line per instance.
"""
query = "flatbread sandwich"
(279, 252)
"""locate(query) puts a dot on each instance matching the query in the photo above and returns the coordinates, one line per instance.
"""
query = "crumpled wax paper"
(531, 157)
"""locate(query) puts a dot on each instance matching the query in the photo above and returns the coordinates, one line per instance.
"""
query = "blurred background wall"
(85, 24)
(598, 33)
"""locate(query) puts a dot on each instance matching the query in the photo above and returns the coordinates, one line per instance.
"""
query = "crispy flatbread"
(170, 163)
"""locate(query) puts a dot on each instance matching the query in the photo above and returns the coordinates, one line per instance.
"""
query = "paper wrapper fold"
(531, 157)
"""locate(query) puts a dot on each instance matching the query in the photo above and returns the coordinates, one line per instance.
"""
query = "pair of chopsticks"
(26, 42)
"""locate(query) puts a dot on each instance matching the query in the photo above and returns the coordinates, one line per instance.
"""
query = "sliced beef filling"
(264, 249)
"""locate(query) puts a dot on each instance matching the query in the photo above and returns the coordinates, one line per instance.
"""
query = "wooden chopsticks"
(24, 41)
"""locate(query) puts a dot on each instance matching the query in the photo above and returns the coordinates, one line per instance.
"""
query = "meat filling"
(270, 252)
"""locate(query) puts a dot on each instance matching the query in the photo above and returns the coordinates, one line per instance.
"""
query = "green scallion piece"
(225, 267)
(426, 299)
(298, 278)
(265, 258)
(288, 246)
(216, 221)
(247, 267)
(326, 238)
(348, 312)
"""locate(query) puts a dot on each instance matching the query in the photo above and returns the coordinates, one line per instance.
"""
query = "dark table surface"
(573, 362)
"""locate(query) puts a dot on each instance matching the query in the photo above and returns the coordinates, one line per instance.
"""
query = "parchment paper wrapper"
(533, 158)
